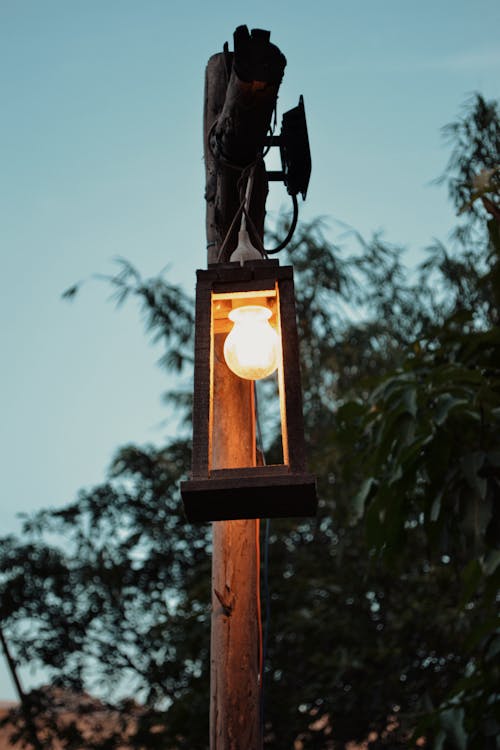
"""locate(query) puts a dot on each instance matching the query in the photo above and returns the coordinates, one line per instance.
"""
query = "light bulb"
(251, 349)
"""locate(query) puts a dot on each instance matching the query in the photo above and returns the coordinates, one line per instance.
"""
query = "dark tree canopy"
(384, 621)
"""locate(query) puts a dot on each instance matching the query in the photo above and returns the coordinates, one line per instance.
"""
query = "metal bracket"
(293, 143)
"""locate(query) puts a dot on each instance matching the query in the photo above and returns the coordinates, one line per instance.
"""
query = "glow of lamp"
(251, 349)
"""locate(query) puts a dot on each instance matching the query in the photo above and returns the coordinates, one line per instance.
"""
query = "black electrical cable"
(256, 235)
(232, 225)
(267, 600)
(247, 173)
(267, 597)
(291, 230)
(242, 208)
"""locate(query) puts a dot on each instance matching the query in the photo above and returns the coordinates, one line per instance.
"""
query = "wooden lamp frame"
(227, 493)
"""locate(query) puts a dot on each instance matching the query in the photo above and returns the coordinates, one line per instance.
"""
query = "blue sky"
(101, 156)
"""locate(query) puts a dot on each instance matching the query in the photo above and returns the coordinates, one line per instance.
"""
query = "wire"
(260, 442)
(228, 234)
(245, 203)
(266, 626)
(248, 195)
(271, 129)
(267, 600)
(259, 610)
(242, 208)
(256, 235)
(257, 545)
(265, 252)
(262, 637)
(291, 230)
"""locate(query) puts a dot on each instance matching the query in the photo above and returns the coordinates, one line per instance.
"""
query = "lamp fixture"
(231, 299)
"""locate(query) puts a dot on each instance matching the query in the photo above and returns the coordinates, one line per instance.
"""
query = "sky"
(101, 157)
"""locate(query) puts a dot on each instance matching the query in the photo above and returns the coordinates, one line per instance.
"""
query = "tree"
(383, 620)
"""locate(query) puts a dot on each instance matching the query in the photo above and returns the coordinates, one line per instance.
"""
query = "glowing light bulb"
(251, 349)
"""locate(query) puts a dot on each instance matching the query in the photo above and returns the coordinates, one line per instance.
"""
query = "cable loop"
(247, 173)
(291, 230)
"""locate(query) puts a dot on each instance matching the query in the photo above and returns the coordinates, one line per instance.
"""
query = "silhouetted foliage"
(383, 608)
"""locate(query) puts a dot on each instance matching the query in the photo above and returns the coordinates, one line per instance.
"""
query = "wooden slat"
(201, 396)
(294, 423)
(250, 496)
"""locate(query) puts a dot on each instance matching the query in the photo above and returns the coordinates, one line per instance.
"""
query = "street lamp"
(247, 312)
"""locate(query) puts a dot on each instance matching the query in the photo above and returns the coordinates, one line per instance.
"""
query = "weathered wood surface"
(241, 89)
(235, 696)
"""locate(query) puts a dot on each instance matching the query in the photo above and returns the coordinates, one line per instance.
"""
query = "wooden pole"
(240, 95)
(234, 693)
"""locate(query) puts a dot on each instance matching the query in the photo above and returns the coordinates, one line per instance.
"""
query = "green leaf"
(374, 530)
(451, 375)
(452, 724)
(436, 508)
(480, 631)
(362, 497)
(351, 410)
(493, 457)
(471, 464)
(491, 562)
(444, 404)
(493, 649)
(414, 452)
(391, 386)
(410, 401)
(471, 578)
(71, 292)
